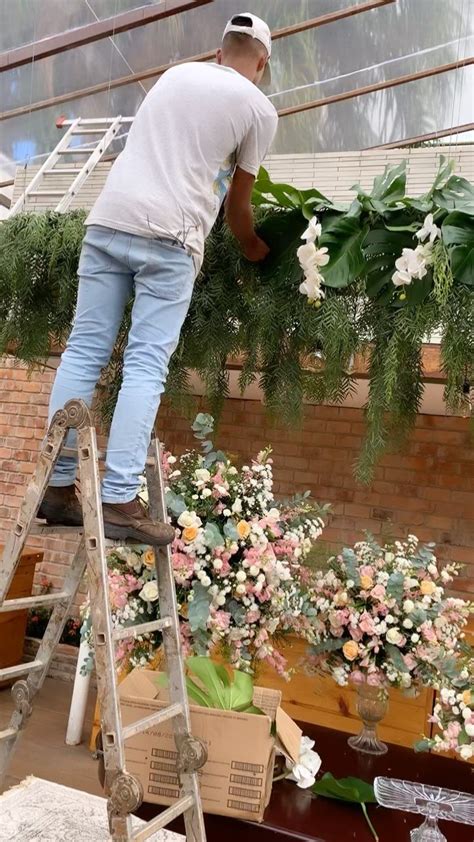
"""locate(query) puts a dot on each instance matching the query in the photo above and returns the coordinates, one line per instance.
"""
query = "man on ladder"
(200, 134)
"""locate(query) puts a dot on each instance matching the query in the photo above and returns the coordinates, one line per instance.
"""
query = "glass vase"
(372, 706)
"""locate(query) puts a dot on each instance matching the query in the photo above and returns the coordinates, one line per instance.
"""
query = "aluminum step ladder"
(104, 130)
(124, 791)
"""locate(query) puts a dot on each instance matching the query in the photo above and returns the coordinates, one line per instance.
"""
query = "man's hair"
(238, 43)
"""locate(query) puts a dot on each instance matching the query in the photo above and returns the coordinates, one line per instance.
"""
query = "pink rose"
(428, 632)
(366, 623)
(356, 633)
(367, 570)
(374, 679)
(410, 661)
(378, 592)
(357, 677)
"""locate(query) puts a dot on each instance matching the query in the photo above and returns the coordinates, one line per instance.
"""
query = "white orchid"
(313, 231)
(304, 772)
(310, 257)
(429, 229)
(311, 287)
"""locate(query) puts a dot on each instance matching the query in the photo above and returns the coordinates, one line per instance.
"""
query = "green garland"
(258, 313)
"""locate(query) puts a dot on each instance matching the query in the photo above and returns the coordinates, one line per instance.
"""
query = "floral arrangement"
(383, 617)
(453, 713)
(311, 259)
(237, 561)
(415, 263)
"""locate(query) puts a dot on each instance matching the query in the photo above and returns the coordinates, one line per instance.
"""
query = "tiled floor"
(41, 750)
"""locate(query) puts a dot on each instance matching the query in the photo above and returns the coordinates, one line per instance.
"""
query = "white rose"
(227, 512)
(149, 592)
(407, 624)
(415, 637)
(254, 570)
(240, 589)
(232, 471)
(175, 474)
(408, 606)
(188, 519)
(469, 729)
(171, 460)
(241, 576)
(217, 564)
(466, 752)
(274, 514)
(221, 599)
(205, 582)
(394, 636)
(202, 474)
(466, 714)
(206, 492)
(389, 557)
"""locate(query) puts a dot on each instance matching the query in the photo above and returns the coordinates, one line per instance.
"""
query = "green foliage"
(351, 790)
(296, 352)
(211, 685)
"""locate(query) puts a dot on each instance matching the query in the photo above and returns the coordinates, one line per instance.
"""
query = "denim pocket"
(171, 268)
(95, 256)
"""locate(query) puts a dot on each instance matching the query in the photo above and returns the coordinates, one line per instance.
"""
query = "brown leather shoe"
(60, 507)
(132, 521)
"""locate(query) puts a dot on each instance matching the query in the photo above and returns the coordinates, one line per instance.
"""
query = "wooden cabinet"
(13, 623)
(321, 701)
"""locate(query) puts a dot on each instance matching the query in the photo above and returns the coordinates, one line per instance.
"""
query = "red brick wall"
(428, 489)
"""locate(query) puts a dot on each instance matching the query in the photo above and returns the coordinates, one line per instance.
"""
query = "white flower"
(429, 229)
(313, 231)
(223, 491)
(149, 592)
(304, 772)
(466, 752)
(202, 474)
(237, 506)
(254, 570)
(217, 564)
(240, 589)
(171, 460)
(469, 726)
(227, 512)
(188, 519)
(408, 606)
(206, 492)
(241, 576)
(221, 599)
(389, 557)
(274, 514)
(408, 624)
(394, 636)
(415, 637)
(175, 474)
(205, 581)
(232, 471)
(311, 286)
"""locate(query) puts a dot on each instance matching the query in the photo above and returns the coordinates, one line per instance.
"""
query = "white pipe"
(77, 712)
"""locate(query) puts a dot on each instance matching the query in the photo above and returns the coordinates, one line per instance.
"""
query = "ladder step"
(89, 131)
(8, 734)
(142, 628)
(166, 817)
(20, 669)
(62, 171)
(33, 601)
(74, 151)
(150, 721)
(46, 193)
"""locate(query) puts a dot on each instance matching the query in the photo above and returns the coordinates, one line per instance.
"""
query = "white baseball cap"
(251, 25)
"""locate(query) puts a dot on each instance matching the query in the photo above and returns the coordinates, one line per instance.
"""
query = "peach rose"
(243, 529)
(148, 557)
(427, 587)
(190, 534)
(366, 583)
(467, 697)
(351, 650)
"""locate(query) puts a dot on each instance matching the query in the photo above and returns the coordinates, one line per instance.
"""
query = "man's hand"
(256, 250)
(240, 218)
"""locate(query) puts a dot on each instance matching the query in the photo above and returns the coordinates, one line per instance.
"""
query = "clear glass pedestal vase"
(372, 706)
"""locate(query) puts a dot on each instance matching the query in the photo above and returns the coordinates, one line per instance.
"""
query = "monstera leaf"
(343, 236)
(458, 235)
(211, 685)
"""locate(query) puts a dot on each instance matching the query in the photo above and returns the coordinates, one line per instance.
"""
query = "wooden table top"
(293, 814)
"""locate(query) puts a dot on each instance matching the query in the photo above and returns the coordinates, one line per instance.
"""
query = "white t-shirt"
(196, 124)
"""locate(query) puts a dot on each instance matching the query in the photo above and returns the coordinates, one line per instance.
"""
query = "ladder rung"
(165, 818)
(75, 151)
(40, 527)
(150, 721)
(62, 171)
(142, 628)
(20, 669)
(99, 130)
(46, 193)
(33, 601)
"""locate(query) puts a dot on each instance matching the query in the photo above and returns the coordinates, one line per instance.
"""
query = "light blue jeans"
(112, 266)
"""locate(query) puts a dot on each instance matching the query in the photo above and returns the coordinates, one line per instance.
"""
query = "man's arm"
(240, 218)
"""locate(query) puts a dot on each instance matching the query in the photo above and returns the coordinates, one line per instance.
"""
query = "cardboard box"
(237, 778)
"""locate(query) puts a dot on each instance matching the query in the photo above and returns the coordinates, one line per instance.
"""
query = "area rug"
(42, 811)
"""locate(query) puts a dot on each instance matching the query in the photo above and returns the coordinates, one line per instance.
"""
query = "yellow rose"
(243, 529)
(467, 697)
(190, 533)
(148, 558)
(427, 587)
(351, 650)
(366, 583)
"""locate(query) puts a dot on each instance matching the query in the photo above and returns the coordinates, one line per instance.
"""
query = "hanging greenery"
(376, 277)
